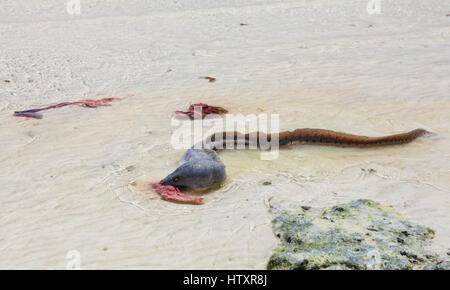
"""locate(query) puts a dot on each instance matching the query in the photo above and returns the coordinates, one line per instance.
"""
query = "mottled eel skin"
(202, 168)
(326, 137)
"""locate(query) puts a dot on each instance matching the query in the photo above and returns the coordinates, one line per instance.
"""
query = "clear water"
(78, 178)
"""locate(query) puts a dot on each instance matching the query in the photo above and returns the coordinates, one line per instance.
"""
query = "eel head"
(197, 174)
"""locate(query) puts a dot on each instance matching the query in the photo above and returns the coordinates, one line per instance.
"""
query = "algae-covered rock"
(441, 266)
(361, 234)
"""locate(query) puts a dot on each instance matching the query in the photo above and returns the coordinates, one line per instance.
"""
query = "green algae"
(361, 234)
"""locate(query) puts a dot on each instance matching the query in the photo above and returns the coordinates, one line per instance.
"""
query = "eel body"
(316, 137)
(202, 168)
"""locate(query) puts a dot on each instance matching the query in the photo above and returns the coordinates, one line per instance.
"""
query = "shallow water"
(78, 178)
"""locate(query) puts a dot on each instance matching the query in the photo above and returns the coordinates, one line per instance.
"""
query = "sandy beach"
(76, 181)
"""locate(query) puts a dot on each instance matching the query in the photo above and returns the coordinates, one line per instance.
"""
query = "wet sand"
(78, 178)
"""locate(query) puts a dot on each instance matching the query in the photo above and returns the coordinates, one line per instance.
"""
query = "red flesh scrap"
(33, 113)
(206, 110)
(170, 192)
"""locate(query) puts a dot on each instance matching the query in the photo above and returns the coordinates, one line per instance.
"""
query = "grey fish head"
(200, 174)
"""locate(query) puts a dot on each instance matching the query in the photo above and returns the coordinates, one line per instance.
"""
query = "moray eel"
(202, 168)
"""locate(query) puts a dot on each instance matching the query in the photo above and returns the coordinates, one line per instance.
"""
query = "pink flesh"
(85, 103)
(170, 192)
(28, 115)
(206, 110)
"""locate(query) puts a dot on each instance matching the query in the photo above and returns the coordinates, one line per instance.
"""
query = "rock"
(361, 234)
(441, 266)
(130, 168)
